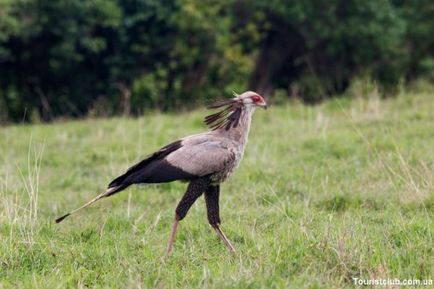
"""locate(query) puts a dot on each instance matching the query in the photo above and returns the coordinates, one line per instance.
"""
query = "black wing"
(154, 169)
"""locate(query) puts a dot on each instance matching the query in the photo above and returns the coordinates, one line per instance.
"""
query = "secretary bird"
(205, 160)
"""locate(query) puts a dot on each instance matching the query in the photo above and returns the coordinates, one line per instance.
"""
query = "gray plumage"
(205, 159)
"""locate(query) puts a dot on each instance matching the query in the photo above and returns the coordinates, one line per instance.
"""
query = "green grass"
(324, 194)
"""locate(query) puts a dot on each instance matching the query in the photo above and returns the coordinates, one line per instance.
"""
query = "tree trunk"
(276, 62)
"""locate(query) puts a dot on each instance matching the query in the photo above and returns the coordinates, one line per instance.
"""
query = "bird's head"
(250, 99)
(232, 109)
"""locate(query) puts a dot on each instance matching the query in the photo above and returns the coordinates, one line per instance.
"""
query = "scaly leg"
(224, 238)
(172, 236)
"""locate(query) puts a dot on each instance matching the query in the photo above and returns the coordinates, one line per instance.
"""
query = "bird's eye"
(256, 98)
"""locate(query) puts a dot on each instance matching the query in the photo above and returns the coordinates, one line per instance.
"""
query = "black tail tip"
(58, 220)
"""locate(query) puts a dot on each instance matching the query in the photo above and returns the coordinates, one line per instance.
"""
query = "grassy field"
(324, 194)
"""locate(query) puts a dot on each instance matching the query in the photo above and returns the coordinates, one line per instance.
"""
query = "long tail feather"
(105, 194)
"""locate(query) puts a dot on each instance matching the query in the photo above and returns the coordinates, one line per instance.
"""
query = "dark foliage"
(105, 57)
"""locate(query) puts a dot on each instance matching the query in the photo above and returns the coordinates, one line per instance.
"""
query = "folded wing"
(202, 158)
(185, 159)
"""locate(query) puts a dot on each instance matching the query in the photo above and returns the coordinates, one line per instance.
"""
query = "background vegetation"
(325, 194)
(105, 57)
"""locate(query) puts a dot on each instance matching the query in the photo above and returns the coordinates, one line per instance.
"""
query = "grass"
(324, 194)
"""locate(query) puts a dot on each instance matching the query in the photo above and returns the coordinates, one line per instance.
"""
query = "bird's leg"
(212, 204)
(194, 190)
(212, 194)
(172, 236)
(224, 238)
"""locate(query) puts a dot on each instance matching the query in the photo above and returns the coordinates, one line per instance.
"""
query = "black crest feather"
(226, 118)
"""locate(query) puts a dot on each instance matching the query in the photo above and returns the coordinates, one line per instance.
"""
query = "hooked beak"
(263, 105)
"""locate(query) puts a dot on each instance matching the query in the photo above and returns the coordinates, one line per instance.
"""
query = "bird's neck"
(240, 133)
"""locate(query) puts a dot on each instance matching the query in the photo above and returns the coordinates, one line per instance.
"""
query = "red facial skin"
(257, 100)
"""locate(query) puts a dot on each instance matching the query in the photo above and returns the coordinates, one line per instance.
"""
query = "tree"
(321, 46)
